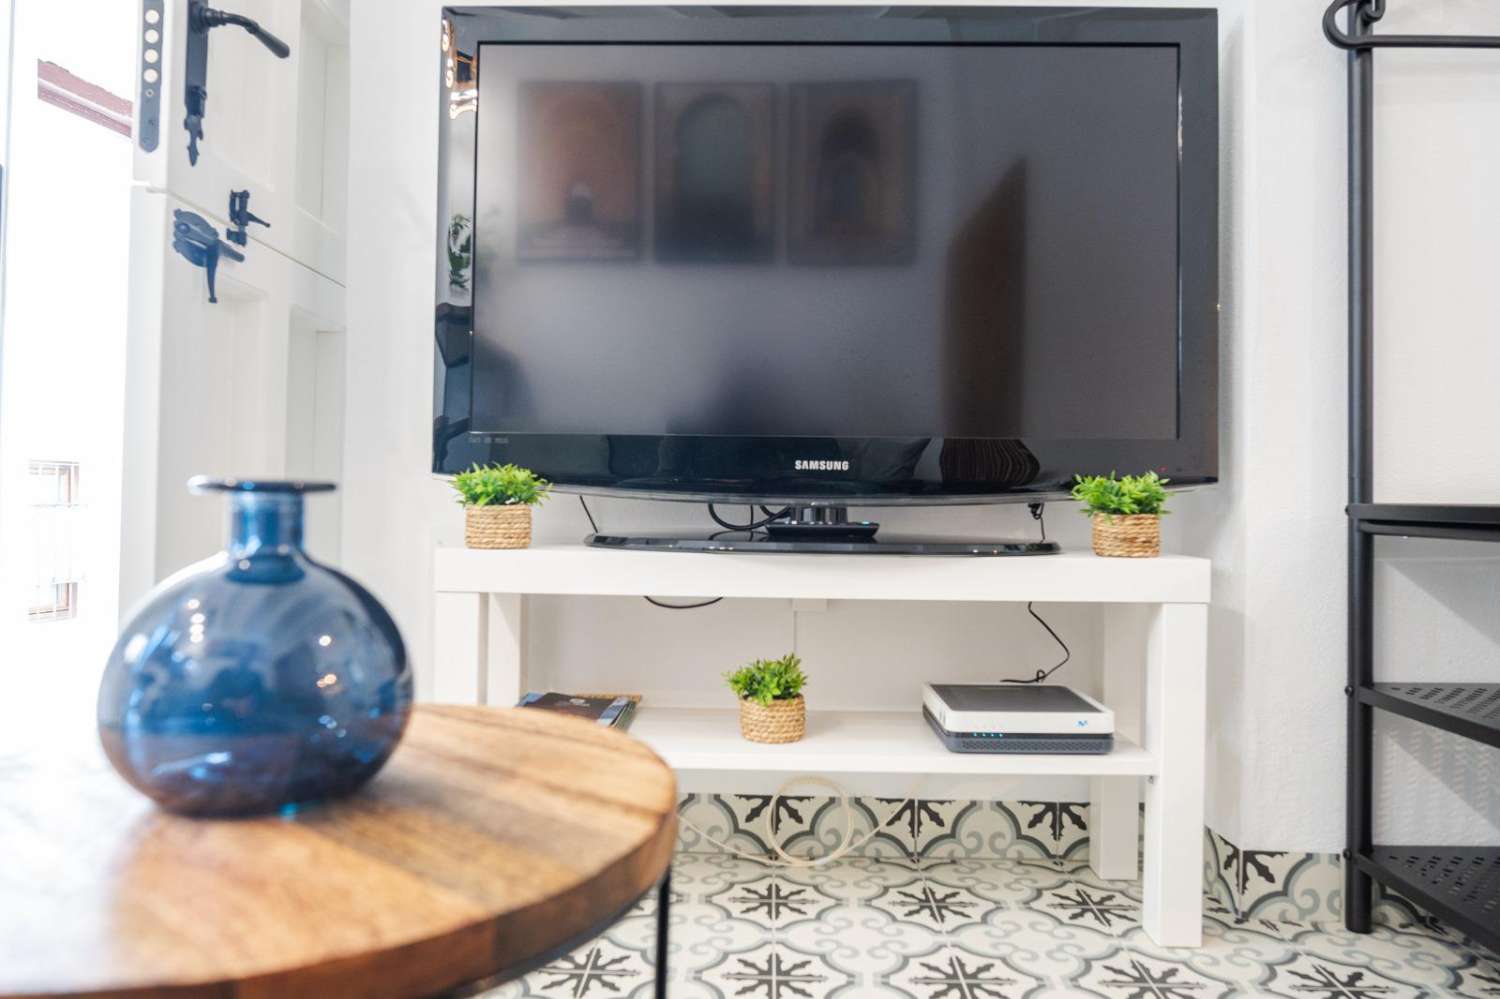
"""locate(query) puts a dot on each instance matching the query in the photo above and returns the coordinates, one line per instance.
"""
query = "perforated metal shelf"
(1471, 710)
(1459, 885)
(1469, 522)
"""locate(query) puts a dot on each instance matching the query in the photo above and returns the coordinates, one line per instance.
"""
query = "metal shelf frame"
(1410, 870)
(1427, 520)
(1459, 885)
(1471, 710)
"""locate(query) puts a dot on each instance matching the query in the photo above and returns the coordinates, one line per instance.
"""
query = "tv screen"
(787, 261)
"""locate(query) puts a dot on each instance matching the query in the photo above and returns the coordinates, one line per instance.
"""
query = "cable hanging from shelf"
(1373, 10)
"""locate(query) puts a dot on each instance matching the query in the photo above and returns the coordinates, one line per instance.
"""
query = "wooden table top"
(491, 838)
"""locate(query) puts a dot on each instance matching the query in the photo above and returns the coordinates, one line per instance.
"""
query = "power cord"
(753, 525)
(1043, 675)
(650, 600)
(1038, 514)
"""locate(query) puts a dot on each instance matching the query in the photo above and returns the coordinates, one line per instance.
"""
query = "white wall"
(1274, 526)
(1436, 429)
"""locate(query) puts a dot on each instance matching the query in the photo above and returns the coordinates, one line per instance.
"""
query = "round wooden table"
(492, 841)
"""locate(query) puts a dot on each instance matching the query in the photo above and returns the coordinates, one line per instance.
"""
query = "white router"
(1017, 718)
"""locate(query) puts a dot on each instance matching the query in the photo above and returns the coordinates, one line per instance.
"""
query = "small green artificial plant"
(767, 680)
(1125, 496)
(460, 251)
(500, 485)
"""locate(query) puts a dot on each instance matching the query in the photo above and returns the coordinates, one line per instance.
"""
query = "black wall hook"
(201, 20)
(198, 241)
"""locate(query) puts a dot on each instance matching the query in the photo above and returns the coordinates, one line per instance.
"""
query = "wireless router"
(1017, 718)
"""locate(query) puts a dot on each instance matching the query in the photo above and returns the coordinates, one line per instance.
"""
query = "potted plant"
(497, 502)
(1126, 512)
(460, 251)
(771, 705)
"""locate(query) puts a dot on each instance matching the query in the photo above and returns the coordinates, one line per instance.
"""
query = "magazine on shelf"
(609, 710)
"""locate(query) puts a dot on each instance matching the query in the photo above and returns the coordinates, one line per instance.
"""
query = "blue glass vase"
(256, 680)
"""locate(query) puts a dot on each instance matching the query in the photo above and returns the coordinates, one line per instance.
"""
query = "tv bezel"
(1189, 459)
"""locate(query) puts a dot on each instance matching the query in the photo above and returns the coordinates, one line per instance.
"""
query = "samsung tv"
(823, 257)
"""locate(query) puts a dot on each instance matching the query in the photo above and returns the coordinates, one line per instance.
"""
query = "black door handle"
(201, 20)
(205, 17)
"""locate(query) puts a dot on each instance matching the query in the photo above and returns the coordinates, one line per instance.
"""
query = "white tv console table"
(1155, 661)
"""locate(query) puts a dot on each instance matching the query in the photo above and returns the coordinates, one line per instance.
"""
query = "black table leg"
(663, 910)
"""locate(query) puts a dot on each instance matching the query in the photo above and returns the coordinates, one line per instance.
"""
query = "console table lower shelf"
(888, 753)
(1154, 669)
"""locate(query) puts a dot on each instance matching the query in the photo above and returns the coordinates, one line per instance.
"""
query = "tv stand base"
(820, 523)
(740, 542)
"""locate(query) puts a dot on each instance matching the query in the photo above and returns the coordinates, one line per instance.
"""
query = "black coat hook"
(201, 20)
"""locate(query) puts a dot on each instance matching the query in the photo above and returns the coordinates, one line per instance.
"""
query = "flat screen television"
(829, 256)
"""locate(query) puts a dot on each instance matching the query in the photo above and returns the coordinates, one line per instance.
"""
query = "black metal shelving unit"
(1459, 885)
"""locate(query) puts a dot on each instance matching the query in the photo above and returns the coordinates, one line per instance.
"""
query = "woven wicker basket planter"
(781, 721)
(507, 526)
(1136, 535)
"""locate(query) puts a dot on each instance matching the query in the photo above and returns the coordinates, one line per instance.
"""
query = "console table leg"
(458, 649)
(1114, 827)
(1114, 802)
(1176, 703)
(506, 678)
(663, 914)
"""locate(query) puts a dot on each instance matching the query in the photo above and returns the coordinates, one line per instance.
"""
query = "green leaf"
(767, 680)
(500, 485)
(1114, 496)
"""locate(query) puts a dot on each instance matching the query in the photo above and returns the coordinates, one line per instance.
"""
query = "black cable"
(754, 524)
(1038, 513)
(650, 600)
(1043, 675)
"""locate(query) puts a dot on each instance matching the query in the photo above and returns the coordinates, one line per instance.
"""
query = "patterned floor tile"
(959, 926)
(1006, 882)
(856, 879)
(700, 875)
(598, 968)
(1047, 829)
(862, 940)
(1106, 910)
(986, 830)
(891, 823)
(1130, 974)
(772, 901)
(774, 971)
(1417, 959)
(1480, 980)
(931, 904)
(813, 825)
(1307, 975)
(949, 973)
